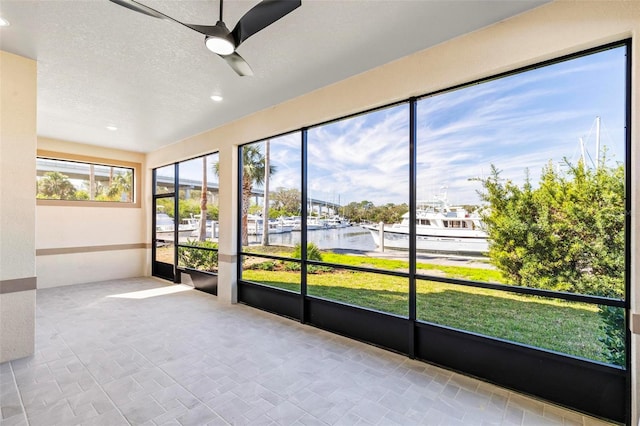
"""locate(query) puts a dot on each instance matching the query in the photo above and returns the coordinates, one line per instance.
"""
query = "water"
(349, 238)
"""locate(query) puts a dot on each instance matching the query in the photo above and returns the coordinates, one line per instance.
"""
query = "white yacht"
(276, 226)
(439, 228)
(337, 222)
(165, 227)
(313, 224)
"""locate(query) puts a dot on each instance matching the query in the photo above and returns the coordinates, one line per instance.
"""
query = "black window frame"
(407, 335)
(174, 272)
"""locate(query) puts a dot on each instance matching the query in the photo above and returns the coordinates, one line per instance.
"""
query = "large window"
(524, 177)
(478, 226)
(198, 229)
(186, 216)
(85, 181)
(358, 178)
(514, 227)
(271, 212)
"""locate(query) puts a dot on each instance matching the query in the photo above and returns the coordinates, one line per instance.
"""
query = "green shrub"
(614, 327)
(565, 234)
(315, 269)
(268, 265)
(82, 194)
(313, 252)
(291, 266)
(196, 258)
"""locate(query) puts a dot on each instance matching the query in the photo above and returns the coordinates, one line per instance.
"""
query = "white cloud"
(516, 123)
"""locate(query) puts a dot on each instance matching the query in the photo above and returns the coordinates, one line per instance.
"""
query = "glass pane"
(72, 180)
(358, 172)
(369, 290)
(273, 273)
(193, 201)
(164, 232)
(525, 174)
(281, 190)
(573, 328)
(164, 251)
(165, 178)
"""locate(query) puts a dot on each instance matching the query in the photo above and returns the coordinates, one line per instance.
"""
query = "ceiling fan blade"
(141, 8)
(146, 10)
(239, 65)
(202, 29)
(262, 15)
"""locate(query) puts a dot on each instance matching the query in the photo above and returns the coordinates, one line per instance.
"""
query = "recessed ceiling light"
(112, 128)
(4, 22)
(216, 98)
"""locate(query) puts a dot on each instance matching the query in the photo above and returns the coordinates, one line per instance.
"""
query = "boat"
(313, 224)
(337, 222)
(292, 222)
(212, 225)
(165, 227)
(281, 224)
(275, 226)
(440, 228)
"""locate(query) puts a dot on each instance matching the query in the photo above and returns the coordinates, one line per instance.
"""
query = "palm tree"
(253, 172)
(121, 183)
(265, 198)
(202, 233)
(55, 185)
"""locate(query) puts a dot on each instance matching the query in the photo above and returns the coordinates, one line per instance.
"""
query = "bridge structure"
(79, 172)
(314, 204)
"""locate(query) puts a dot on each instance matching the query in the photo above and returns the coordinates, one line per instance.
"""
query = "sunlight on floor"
(153, 292)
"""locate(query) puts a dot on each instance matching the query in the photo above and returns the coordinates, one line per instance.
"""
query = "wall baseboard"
(19, 284)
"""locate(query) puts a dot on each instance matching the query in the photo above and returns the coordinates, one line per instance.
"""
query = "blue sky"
(517, 123)
(520, 122)
(192, 169)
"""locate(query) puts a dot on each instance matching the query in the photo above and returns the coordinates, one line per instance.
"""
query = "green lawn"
(568, 327)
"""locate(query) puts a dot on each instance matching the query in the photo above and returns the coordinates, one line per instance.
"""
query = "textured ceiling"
(100, 64)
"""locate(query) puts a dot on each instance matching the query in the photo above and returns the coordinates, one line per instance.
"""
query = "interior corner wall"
(547, 32)
(634, 273)
(18, 85)
(78, 244)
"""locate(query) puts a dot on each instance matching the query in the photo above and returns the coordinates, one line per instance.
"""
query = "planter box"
(203, 281)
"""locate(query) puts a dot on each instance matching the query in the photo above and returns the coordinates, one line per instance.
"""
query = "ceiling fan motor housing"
(219, 40)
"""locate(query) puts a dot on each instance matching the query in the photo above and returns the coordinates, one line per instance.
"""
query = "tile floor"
(141, 352)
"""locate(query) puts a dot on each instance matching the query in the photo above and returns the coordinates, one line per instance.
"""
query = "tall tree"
(202, 232)
(253, 173)
(286, 201)
(265, 198)
(57, 186)
(121, 184)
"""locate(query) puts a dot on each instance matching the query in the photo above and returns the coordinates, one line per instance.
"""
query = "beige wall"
(17, 205)
(80, 244)
(547, 32)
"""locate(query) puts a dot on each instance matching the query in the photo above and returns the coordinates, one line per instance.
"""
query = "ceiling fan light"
(219, 45)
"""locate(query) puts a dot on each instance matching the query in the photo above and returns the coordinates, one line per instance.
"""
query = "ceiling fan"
(218, 38)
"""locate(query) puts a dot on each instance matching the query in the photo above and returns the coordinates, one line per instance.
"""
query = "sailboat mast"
(597, 142)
